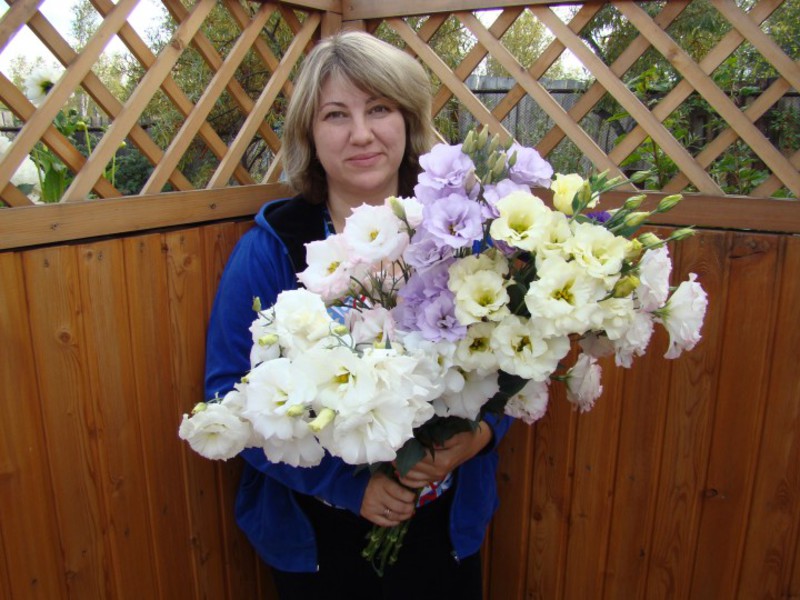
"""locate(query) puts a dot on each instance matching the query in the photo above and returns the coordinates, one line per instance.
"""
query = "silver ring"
(387, 512)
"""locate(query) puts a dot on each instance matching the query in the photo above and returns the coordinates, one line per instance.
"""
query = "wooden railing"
(681, 483)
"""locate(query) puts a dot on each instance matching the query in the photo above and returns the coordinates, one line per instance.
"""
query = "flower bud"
(639, 176)
(494, 143)
(199, 407)
(468, 146)
(649, 240)
(483, 137)
(625, 286)
(397, 207)
(269, 339)
(669, 202)
(499, 165)
(634, 202)
(633, 250)
(296, 410)
(512, 159)
(340, 330)
(635, 219)
(681, 234)
(256, 303)
(323, 419)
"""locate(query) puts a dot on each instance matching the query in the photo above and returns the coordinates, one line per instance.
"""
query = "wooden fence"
(683, 482)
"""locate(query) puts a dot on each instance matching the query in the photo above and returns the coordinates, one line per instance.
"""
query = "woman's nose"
(361, 132)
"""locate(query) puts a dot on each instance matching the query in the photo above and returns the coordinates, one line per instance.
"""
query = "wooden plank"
(553, 480)
(187, 318)
(738, 417)
(68, 420)
(264, 102)
(644, 407)
(137, 102)
(159, 411)
(101, 271)
(688, 426)
(31, 564)
(706, 87)
(510, 531)
(194, 121)
(16, 18)
(34, 129)
(35, 225)
(774, 520)
(594, 471)
(370, 9)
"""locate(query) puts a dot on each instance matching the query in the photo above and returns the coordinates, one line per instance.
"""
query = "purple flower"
(530, 168)
(445, 166)
(437, 320)
(424, 250)
(423, 287)
(455, 220)
(494, 192)
(599, 217)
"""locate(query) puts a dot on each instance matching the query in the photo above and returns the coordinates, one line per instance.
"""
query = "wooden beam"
(56, 223)
(372, 9)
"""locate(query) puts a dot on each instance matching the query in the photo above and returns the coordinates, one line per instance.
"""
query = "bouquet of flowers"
(427, 313)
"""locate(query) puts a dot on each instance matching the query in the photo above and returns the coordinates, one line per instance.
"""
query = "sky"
(59, 13)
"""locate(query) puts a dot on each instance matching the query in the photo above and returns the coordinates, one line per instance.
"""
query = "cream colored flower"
(523, 222)
(482, 296)
(598, 251)
(522, 350)
(39, 83)
(564, 188)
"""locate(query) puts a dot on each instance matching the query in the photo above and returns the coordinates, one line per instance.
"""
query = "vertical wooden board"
(553, 473)
(104, 291)
(31, 564)
(644, 402)
(590, 511)
(741, 397)
(774, 521)
(240, 560)
(688, 424)
(187, 329)
(53, 291)
(159, 413)
(511, 524)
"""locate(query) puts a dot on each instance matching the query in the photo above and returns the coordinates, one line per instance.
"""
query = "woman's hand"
(386, 502)
(454, 452)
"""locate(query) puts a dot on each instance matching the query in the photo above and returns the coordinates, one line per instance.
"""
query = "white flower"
(374, 234)
(273, 391)
(216, 432)
(596, 344)
(39, 83)
(583, 382)
(564, 297)
(265, 339)
(467, 403)
(329, 268)
(409, 209)
(634, 340)
(303, 450)
(530, 403)
(598, 251)
(523, 222)
(614, 316)
(481, 296)
(461, 269)
(522, 350)
(683, 316)
(26, 174)
(555, 238)
(564, 188)
(340, 376)
(374, 326)
(474, 351)
(301, 320)
(654, 270)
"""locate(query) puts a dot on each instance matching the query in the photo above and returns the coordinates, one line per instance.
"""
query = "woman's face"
(360, 141)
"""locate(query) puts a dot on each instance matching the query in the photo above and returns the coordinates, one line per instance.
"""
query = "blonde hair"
(376, 68)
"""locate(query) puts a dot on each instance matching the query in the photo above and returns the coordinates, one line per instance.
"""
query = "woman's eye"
(380, 108)
(334, 114)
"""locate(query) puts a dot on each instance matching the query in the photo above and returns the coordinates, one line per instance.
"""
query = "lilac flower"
(424, 250)
(437, 320)
(599, 217)
(446, 167)
(530, 168)
(455, 220)
(494, 192)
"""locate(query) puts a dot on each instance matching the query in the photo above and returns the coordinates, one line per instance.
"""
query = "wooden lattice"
(308, 20)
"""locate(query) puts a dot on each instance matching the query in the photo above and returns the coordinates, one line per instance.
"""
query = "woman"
(358, 120)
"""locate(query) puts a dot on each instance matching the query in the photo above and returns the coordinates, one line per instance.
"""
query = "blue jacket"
(260, 265)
